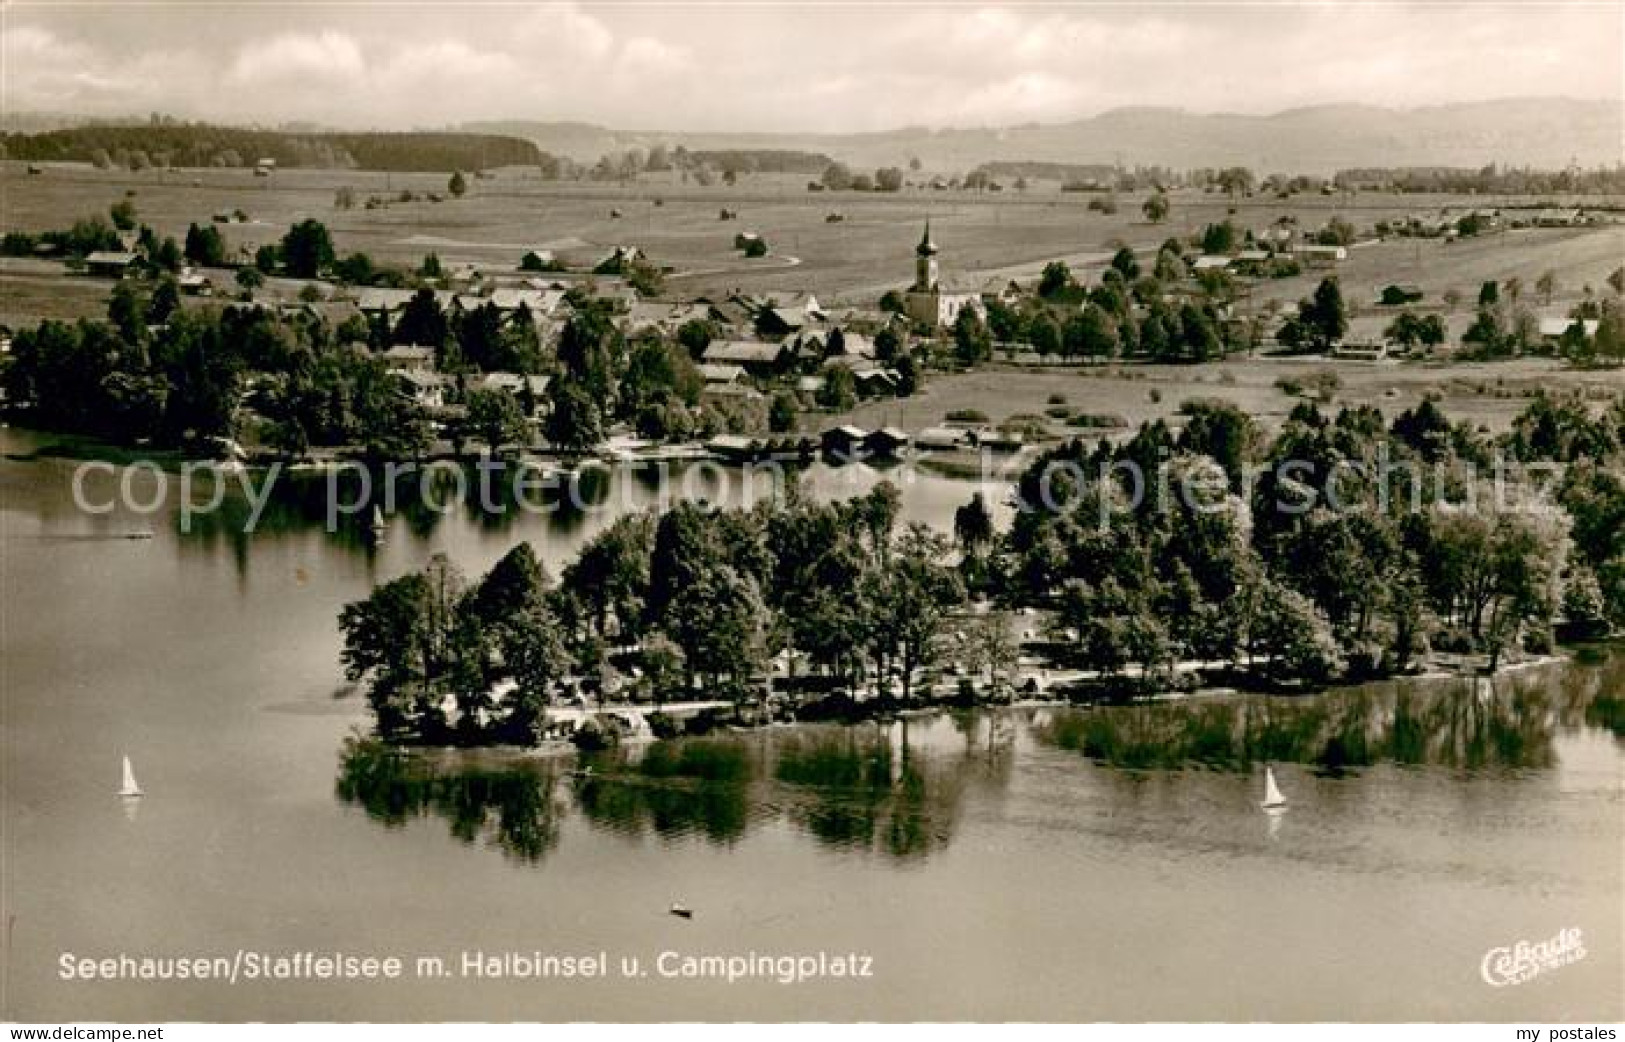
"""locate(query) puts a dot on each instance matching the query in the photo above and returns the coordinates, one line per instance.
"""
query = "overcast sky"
(841, 66)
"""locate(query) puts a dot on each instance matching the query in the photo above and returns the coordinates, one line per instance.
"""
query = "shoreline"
(562, 747)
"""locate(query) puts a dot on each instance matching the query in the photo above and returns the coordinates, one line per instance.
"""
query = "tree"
(123, 214)
(166, 300)
(457, 186)
(696, 335)
(1124, 262)
(495, 414)
(307, 249)
(1293, 635)
(836, 177)
(249, 279)
(1546, 285)
(1322, 319)
(889, 179)
(422, 322)
(973, 343)
(576, 421)
(1056, 279)
(781, 415)
(840, 390)
(1043, 334)
(911, 595)
(1156, 207)
(1090, 333)
(205, 246)
(973, 526)
(1219, 238)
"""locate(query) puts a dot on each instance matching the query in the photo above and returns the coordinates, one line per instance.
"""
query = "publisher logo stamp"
(1522, 962)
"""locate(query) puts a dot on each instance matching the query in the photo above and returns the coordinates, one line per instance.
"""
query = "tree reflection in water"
(885, 789)
(1473, 724)
(514, 808)
(898, 790)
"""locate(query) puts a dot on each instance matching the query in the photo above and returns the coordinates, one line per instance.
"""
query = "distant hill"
(1540, 132)
(202, 145)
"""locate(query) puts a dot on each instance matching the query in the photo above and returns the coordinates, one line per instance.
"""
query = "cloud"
(732, 67)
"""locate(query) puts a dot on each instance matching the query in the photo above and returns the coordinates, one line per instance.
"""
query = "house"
(1555, 327)
(1210, 262)
(942, 438)
(409, 358)
(1555, 217)
(717, 375)
(195, 284)
(1313, 253)
(428, 389)
(756, 357)
(110, 264)
(1361, 350)
(515, 383)
(617, 260)
(843, 443)
(538, 302)
(849, 344)
(538, 260)
(382, 301)
(886, 443)
(735, 448)
(874, 382)
(781, 321)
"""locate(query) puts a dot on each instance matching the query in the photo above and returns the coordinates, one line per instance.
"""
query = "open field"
(1489, 396)
(1009, 234)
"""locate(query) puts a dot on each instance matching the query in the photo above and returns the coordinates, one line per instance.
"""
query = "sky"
(731, 65)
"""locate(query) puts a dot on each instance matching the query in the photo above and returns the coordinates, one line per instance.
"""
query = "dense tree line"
(1404, 561)
(1131, 314)
(200, 145)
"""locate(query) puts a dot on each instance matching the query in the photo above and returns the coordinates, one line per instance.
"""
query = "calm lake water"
(1028, 864)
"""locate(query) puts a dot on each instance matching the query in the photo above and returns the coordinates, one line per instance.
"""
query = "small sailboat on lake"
(1273, 799)
(129, 790)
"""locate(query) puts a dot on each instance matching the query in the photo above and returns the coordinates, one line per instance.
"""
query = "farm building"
(843, 443)
(756, 357)
(110, 264)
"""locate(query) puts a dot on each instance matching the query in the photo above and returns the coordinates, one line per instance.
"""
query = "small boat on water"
(1273, 799)
(129, 789)
(682, 911)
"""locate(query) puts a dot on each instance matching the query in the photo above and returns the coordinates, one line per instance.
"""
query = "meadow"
(1006, 234)
(1009, 235)
(1489, 396)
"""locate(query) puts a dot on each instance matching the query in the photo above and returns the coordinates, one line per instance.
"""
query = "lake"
(1028, 864)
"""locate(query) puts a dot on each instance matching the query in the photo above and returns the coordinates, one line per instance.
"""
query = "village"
(794, 373)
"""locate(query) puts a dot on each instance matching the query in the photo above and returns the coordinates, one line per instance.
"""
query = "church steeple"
(926, 248)
(925, 263)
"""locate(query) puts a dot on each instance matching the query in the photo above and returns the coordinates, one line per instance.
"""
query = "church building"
(926, 303)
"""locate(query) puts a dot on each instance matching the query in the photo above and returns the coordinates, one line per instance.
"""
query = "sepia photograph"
(812, 512)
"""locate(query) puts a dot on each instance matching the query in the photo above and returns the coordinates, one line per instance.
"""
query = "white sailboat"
(1273, 800)
(130, 788)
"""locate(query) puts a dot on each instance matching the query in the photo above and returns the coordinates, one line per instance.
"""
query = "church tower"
(925, 262)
